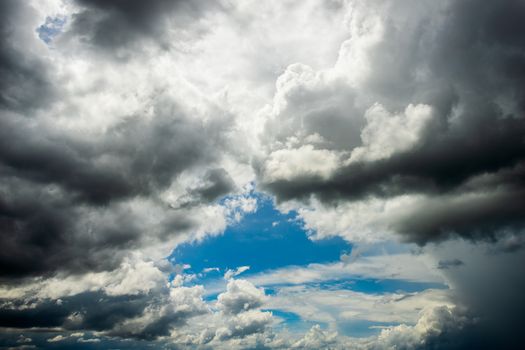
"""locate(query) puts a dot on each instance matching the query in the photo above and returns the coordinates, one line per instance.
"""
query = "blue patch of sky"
(264, 240)
(267, 240)
(289, 317)
(51, 28)
(377, 286)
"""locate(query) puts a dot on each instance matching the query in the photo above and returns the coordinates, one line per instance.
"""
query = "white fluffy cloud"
(240, 296)
(385, 134)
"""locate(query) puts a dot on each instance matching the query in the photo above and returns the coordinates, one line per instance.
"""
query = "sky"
(242, 174)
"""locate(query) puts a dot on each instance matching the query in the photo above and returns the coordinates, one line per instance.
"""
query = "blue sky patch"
(51, 28)
(378, 286)
(264, 240)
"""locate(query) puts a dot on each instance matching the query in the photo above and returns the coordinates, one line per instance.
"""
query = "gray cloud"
(25, 76)
(447, 264)
(465, 64)
(68, 199)
(119, 25)
(488, 283)
(111, 315)
(75, 179)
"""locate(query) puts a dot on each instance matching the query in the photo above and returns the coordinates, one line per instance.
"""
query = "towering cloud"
(423, 102)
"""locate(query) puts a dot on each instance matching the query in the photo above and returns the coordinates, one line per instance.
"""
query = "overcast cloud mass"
(316, 174)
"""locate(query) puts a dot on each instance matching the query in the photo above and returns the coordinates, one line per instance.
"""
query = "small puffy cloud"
(23, 340)
(57, 338)
(240, 296)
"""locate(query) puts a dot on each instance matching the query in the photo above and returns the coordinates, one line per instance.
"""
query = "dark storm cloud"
(136, 158)
(475, 64)
(96, 311)
(447, 264)
(119, 24)
(40, 340)
(143, 155)
(88, 311)
(491, 288)
(484, 217)
(62, 194)
(217, 182)
(51, 233)
(25, 78)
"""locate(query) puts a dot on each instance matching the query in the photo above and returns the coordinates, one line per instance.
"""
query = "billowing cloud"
(100, 187)
(240, 295)
(431, 109)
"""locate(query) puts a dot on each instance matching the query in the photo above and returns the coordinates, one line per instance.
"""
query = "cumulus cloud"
(240, 295)
(415, 122)
(316, 338)
(244, 324)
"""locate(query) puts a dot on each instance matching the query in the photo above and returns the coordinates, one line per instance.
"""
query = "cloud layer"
(131, 128)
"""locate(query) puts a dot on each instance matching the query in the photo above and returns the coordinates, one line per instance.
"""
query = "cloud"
(25, 72)
(406, 267)
(56, 339)
(240, 296)
(488, 284)
(414, 122)
(433, 323)
(137, 312)
(334, 307)
(316, 338)
(133, 128)
(132, 277)
(244, 324)
(119, 26)
(158, 320)
(232, 273)
(447, 264)
(102, 165)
